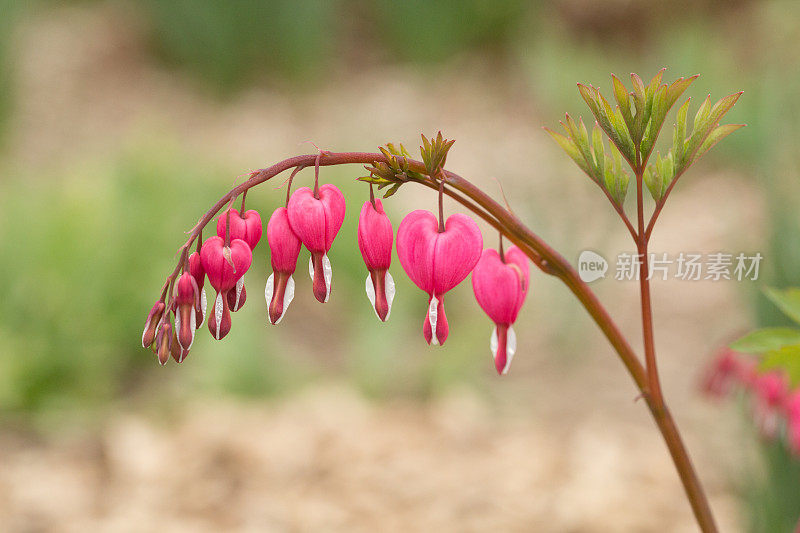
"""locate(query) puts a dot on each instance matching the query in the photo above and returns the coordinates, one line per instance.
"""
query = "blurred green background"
(122, 121)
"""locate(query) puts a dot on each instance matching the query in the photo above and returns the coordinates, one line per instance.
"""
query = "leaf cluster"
(632, 124)
(395, 171)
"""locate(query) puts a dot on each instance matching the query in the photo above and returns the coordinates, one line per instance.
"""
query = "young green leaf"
(717, 134)
(766, 339)
(572, 150)
(786, 359)
(787, 300)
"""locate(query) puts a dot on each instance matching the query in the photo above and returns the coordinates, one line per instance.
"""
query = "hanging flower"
(500, 282)
(224, 266)
(437, 259)
(316, 219)
(375, 237)
(152, 323)
(284, 248)
(187, 300)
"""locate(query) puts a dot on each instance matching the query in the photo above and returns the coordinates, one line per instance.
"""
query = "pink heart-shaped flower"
(437, 261)
(500, 285)
(221, 274)
(284, 248)
(375, 238)
(316, 221)
(246, 227)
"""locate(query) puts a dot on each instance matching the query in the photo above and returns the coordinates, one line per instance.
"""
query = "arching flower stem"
(540, 252)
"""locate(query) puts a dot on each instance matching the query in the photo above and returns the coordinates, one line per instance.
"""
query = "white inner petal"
(390, 290)
(370, 288)
(432, 319)
(239, 287)
(288, 296)
(218, 313)
(268, 291)
(193, 324)
(511, 346)
(311, 268)
(178, 325)
(203, 305)
(328, 272)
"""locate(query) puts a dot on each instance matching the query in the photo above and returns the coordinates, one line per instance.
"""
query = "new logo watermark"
(591, 266)
(715, 266)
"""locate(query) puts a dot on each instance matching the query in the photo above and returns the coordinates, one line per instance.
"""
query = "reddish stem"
(547, 259)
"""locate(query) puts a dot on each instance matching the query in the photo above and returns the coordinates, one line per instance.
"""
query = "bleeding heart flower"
(223, 277)
(284, 248)
(187, 300)
(770, 391)
(316, 221)
(152, 323)
(436, 262)
(723, 374)
(199, 275)
(375, 237)
(247, 227)
(500, 284)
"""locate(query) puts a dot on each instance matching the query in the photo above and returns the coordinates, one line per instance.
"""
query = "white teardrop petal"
(193, 324)
(218, 313)
(177, 323)
(390, 290)
(311, 268)
(511, 346)
(370, 288)
(328, 273)
(288, 296)
(203, 306)
(433, 318)
(493, 341)
(268, 291)
(239, 287)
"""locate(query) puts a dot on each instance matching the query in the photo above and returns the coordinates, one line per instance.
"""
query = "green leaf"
(571, 149)
(654, 182)
(679, 134)
(392, 190)
(787, 300)
(624, 100)
(786, 359)
(706, 122)
(717, 134)
(599, 149)
(766, 339)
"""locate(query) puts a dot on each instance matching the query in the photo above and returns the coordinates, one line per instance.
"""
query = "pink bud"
(247, 227)
(437, 262)
(316, 221)
(187, 300)
(151, 324)
(500, 286)
(284, 248)
(199, 275)
(375, 237)
(164, 342)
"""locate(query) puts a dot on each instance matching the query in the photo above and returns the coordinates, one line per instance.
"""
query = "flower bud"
(284, 248)
(163, 344)
(437, 261)
(316, 221)
(375, 238)
(151, 324)
(187, 300)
